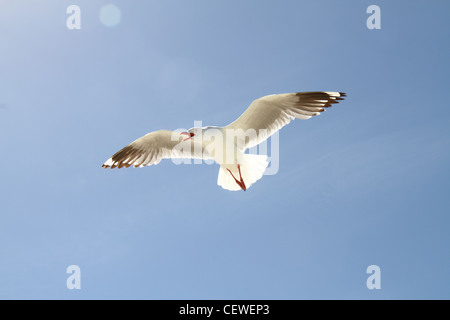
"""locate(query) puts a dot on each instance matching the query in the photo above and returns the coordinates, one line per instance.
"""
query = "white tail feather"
(252, 169)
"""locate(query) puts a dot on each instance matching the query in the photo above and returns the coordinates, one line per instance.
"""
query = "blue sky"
(365, 183)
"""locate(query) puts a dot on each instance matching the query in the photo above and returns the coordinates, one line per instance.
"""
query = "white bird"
(226, 145)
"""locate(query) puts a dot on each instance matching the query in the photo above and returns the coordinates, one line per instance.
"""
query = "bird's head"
(196, 131)
(199, 132)
(190, 133)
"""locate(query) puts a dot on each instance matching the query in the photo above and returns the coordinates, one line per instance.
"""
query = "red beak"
(189, 134)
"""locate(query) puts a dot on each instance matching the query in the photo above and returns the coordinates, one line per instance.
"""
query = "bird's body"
(226, 145)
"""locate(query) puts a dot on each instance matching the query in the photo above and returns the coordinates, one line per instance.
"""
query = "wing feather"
(269, 114)
(155, 146)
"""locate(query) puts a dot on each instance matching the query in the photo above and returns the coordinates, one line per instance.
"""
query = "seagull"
(227, 145)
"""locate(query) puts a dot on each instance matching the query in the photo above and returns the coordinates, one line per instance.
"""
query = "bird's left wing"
(268, 114)
(155, 146)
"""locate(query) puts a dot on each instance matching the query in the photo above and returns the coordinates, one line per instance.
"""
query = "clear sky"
(364, 184)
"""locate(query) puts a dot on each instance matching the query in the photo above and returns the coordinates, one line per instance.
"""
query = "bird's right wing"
(268, 114)
(155, 146)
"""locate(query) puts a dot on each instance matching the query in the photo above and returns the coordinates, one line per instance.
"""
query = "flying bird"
(226, 145)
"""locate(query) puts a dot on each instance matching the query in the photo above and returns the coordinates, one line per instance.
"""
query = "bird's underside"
(263, 117)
